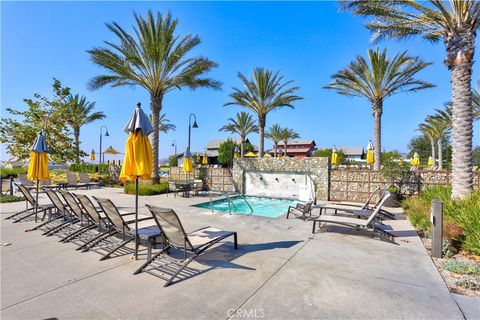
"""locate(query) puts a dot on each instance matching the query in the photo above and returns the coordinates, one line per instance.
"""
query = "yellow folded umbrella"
(187, 161)
(267, 155)
(92, 155)
(370, 154)
(204, 159)
(38, 166)
(416, 160)
(250, 154)
(430, 161)
(335, 161)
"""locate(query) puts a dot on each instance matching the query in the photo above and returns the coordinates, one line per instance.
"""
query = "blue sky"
(307, 41)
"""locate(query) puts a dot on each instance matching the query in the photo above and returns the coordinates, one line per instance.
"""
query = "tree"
(327, 153)
(79, 113)
(154, 58)
(264, 92)
(172, 161)
(243, 125)
(275, 134)
(429, 133)
(225, 152)
(456, 23)
(43, 114)
(421, 144)
(377, 79)
(288, 134)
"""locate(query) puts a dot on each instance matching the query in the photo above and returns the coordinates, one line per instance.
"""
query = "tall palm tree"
(155, 58)
(243, 125)
(456, 23)
(429, 133)
(288, 134)
(377, 79)
(80, 112)
(274, 133)
(440, 127)
(264, 92)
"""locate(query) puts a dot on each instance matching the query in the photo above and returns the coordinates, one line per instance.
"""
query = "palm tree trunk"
(261, 134)
(275, 146)
(460, 52)
(76, 135)
(156, 108)
(440, 154)
(242, 141)
(432, 144)
(377, 109)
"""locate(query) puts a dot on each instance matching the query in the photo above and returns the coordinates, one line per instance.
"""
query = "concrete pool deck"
(280, 271)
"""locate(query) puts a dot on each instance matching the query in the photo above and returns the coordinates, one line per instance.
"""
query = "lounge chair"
(28, 212)
(72, 181)
(301, 210)
(122, 226)
(359, 223)
(195, 243)
(172, 187)
(85, 179)
(29, 185)
(197, 187)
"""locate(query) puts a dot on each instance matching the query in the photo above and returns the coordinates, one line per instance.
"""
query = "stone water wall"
(315, 168)
(219, 179)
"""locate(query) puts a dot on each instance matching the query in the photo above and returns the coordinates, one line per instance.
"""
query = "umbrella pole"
(136, 218)
(36, 203)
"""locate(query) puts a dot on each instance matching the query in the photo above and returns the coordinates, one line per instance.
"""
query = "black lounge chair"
(174, 235)
(85, 180)
(28, 212)
(301, 210)
(121, 226)
(72, 181)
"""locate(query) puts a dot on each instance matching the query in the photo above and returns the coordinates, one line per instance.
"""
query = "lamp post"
(174, 144)
(100, 160)
(190, 126)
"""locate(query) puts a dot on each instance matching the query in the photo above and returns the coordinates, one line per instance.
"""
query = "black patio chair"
(28, 212)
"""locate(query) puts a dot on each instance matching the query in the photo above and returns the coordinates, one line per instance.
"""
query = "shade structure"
(38, 166)
(110, 150)
(370, 154)
(138, 160)
(250, 154)
(92, 155)
(205, 159)
(267, 155)
(187, 161)
(416, 160)
(430, 161)
(335, 161)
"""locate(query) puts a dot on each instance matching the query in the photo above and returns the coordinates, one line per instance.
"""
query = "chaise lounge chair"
(122, 226)
(359, 223)
(85, 180)
(72, 181)
(29, 185)
(28, 212)
(195, 243)
(301, 210)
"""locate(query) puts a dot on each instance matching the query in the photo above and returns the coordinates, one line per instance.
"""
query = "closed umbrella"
(187, 161)
(38, 167)
(92, 155)
(416, 160)
(430, 161)
(205, 158)
(335, 161)
(370, 155)
(138, 161)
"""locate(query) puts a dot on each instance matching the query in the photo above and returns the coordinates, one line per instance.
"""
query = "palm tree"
(288, 134)
(456, 23)
(377, 79)
(429, 133)
(274, 133)
(78, 113)
(264, 92)
(440, 127)
(155, 58)
(243, 125)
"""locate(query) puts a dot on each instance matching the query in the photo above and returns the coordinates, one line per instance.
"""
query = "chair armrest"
(139, 220)
(127, 214)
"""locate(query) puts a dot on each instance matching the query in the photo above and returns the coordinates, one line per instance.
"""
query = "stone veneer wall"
(213, 178)
(316, 168)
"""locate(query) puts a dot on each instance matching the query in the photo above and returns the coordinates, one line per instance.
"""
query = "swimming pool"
(262, 206)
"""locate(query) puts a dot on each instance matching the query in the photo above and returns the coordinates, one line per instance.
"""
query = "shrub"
(461, 267)
(461, 217)
(146, 189)
(13, 172)
(8, 198)
(89, 168)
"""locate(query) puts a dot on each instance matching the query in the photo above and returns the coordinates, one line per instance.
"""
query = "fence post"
(436, 218)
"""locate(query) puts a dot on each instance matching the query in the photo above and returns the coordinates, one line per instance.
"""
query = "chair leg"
(235, 242)
(18, 213)
(123, 243)
(165, 249)
(76, 233)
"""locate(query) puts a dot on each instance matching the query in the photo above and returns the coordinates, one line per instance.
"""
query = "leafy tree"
(327, 153)
(421, 145)
(225, 152)
(43, 114)
(243, 125)
(456, 23)
(390, 156)
(155, 58)
(172, 161)
(288, 134)
(377, 79)
(275, 134)
(77, 114)
(264, 92)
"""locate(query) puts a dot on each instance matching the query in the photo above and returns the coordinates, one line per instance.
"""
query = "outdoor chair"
(197, 187)
(85, 179)
(28, 212)
(358, 210)
(172, 187)
(72, 181)
(122, 226)
(29, 185)
(47, 184)
(301, 210)
(359, 223)
(174, 235)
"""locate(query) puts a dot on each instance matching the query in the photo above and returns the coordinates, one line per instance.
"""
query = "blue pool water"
(262, 206)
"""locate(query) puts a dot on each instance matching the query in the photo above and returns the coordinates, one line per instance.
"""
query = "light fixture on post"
(100, 159)
(174, 144)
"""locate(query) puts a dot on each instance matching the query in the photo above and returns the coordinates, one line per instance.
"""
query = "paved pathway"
(280, 271)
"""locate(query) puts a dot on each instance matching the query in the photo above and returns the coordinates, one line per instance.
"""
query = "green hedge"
(7, 198)
(146, 189)
(89, 168)
(461, 217)
(7, 173)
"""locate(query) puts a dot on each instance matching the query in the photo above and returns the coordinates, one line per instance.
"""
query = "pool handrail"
(230, 202)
